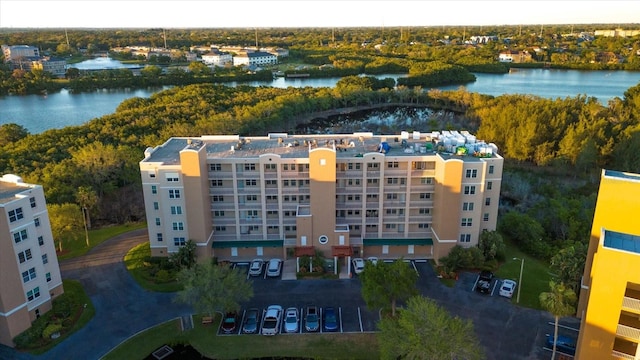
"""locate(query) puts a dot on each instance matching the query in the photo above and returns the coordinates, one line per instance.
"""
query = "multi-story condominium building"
(256, 58)
(15, 52)
(29, 273)
(217, 58)
(609, 302)
(412, 195)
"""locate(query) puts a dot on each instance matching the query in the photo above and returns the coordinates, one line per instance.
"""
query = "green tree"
(87, 199)
(560, 301)
(568, 264)
(12, 132)
(424, 330)
(186, 255)
(492, 245)
(66, 222)
(384, 284)
(210, 287)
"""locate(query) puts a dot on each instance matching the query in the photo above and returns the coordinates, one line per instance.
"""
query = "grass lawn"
(535, 276)
(75, 248)
(134, 260)
(204, 338)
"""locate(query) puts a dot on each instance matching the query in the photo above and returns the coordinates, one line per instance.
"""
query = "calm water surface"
(38, 113)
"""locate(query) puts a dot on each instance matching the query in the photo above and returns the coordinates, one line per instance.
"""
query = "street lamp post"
(519, 281)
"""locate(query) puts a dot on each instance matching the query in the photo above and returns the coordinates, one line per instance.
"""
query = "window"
(356, 166)
(270, 167)
(485, 217)
(154, 189)
(218, 213)
(487, 201)
(20, 236)
(419, 165)
(392, 165)
(29, 275)
(251, 182)
(220, 228)
(179, 241)
(157, 221)
(178, 226)
(269, 183)
(252, 197)
(176, 210)
(40, 240)
(252, 214)
(392, 196)
(159, 237)
(490, 169)
(426, 181)
(353, 182)
(45, 259)
(249, 167)
(152, 174)
(468, 206)
(215, 167)
(424, 211)
(216, 183)
(465, 238)
(217, 198)
(33, 294)
(469, 190)
(372, 181)
(15, 215)
(466, 222)
(48, 276)
(373, 166)
(489, 185)
(174, 194)
(156, 206)
(372, 197)
(32, 201)
(172, 177)
(24, 255)
(425, 196)
(423, 226)
(472, 173)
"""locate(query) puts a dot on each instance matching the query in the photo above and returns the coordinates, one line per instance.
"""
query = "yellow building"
(610, 294)
(344, 194)
(29, 273)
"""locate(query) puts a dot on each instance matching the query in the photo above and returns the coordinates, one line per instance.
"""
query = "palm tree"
(560, 301)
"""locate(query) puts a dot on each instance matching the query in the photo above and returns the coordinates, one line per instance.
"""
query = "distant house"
(483, 39)
(257, 58)
(514, 56)
(217, 58)
(54, 66)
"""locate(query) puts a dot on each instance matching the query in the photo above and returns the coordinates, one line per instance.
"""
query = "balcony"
(621, 355)
(628, 332)
(631, 304)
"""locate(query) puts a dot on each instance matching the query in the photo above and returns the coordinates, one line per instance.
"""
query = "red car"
(229, 322)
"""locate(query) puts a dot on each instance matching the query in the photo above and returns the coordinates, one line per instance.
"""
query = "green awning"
(396, 242)
(247, 243)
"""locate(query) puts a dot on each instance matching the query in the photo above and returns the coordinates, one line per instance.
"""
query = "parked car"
(229, 322)
(311, 320)
(273, 268)
(484, 282)
(358, 265)
(250, 325)
(291, 320)
(564, 344)
(507, 288)
(256, 267)
(271, 320)
(373, 260)
(329, 319)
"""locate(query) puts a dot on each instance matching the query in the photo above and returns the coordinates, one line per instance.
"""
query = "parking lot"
(506, 330)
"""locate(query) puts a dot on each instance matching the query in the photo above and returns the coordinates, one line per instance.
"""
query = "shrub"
(50, 330)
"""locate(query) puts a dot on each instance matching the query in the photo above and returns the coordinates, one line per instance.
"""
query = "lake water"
(38, 113)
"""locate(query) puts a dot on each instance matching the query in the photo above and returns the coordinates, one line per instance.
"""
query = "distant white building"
(257, 58)
(217, 58)
(14, 52)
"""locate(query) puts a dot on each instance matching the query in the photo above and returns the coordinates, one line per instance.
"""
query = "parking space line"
(415, 268)
(340, 313)
(564, 326)
(360, 319)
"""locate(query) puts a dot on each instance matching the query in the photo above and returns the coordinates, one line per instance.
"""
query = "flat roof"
(622, 241)
(9, 190)
(345, 145)
(621, 175)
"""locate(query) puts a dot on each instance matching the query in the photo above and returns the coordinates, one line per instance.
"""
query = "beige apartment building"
(409, 195)
(29, 273)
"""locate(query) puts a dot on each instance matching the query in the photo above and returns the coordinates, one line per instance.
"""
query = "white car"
(373, 260)
(291, 320)
(256, 267)
(273, 268)
(358, 265)
(507, 288)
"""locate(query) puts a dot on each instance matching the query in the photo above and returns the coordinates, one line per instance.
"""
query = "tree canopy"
(385, 284)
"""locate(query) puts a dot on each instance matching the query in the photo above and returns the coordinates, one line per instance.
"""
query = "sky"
(308, 13)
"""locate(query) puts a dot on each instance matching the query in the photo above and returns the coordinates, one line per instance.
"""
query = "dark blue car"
(564, 344)
(330, 319)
